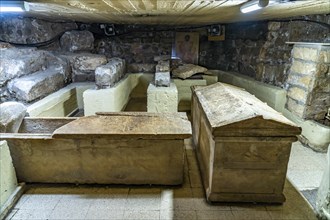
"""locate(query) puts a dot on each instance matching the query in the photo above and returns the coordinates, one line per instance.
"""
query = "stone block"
(305, 53)
(274, 26)
(301, 80)
(324, 56)
(74, 41)
(162, 99)
(37, 85)
(16, 62)
(188, 70)
(298, 94)
(162, 79)
(294, 107)
(107, 75)
(163, 66)
(141, 68)
(162, 58)
(12, 114)
(304, 67)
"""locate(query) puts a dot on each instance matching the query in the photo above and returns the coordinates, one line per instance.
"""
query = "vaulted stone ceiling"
(172, 12)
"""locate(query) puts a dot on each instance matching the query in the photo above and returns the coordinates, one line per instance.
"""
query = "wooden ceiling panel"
(171, 12)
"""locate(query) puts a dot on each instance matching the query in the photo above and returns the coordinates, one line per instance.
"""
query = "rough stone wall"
(138, 49)
(30, 30)
(259, 50)
(309, 82)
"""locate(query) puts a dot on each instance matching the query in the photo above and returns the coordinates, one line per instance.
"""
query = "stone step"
(37, 85)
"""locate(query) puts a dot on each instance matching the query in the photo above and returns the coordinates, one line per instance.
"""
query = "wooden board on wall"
(187, 46)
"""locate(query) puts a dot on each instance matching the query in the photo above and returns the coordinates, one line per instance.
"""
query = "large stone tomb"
(112, 148)
(242, 145)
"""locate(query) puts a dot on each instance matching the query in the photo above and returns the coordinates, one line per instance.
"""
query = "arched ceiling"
(169, 12)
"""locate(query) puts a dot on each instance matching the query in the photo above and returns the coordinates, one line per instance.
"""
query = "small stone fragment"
(74, 41)
(187, 70)
(12, 114)
(108, 75)
(163, 66)
(162, 79)
(37, 85)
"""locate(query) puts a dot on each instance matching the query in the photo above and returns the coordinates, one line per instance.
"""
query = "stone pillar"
(309, 82)
(162, 99)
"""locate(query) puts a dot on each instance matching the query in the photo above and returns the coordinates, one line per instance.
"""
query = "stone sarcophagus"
(110, 148)
(242, 145)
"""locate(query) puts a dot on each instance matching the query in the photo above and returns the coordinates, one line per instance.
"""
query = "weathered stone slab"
(74, 41)
(83, 65)
(107, 75)
(141, 68)
(16, 62)
(12, 114)
(37, 85)
(187, 70)
(162, 58)
(162, 79)
(163, 66)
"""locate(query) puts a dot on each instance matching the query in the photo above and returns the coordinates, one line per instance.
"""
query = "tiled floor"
(142, 202)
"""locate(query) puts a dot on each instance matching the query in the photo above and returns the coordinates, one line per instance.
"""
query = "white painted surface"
(8, 181)
(162, 99)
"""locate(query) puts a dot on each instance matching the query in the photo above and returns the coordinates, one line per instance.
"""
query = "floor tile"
(204, 215)
(141, 215)
(177, 215)
(104, 214)
(251, 215)
(68, 213)
(36, 201)
(27, 214)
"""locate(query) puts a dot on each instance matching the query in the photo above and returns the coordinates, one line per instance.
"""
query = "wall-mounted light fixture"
(254, 5)
(13, 6)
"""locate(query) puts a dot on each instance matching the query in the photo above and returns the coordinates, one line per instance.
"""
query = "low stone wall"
(315, 135)
(61, 103)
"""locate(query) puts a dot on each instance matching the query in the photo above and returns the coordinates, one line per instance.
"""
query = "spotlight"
(254, 5)
(13, 6)
(215, 30)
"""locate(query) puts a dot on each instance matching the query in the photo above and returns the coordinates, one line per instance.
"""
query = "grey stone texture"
(74, 41)
(141, 68)
(16, 62)
(31, 30)
(162, 79)
(162, 58)
(37, 85)
(188, 70)
(108, 75)
(309, 83)
(83, 65)
(20, 62)
(163, 66)
(12, 114)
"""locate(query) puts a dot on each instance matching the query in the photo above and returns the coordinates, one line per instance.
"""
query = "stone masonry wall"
(309, 82)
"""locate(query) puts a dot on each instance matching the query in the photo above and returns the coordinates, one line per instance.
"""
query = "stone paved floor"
(144, 202)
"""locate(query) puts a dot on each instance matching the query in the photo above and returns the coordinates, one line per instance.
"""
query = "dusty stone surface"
(141, 68)
(162, 58)
(83, 65)
(31, 30)
(74, 41)
(162, 99)
(37, 85)
(309, 83)
(187, 70)
(163, 66)
(107, 75)
(12, 114)
(16, 62)
(162, 79)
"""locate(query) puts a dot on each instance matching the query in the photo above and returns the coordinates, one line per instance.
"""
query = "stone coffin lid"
(135, 125)
(231, 111)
